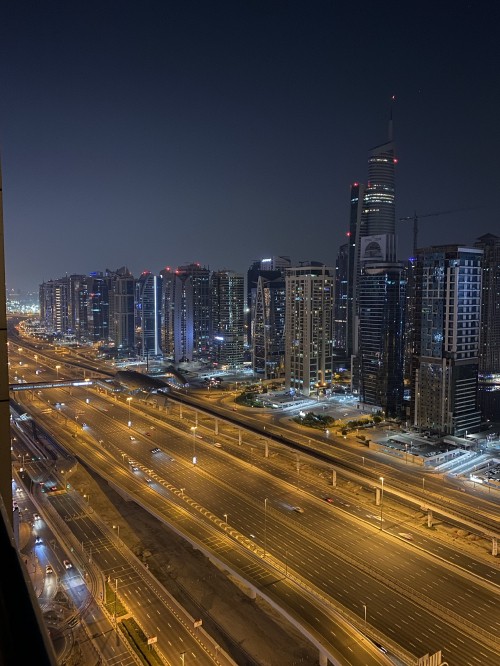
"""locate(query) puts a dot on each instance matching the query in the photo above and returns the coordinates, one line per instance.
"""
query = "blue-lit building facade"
(148, 314)
(447, 339)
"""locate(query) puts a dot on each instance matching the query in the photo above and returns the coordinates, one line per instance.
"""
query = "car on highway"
(67, 564)
(156, 450)
(49, 569)
(298, 509)
(218, 445)
(405, 535)
(330, 500)
(36, 516)
(38, 539)
(132, 438)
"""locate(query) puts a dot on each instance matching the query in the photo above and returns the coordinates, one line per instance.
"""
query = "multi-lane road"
(330, 564)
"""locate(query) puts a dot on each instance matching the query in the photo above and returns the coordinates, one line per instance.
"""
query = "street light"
(381, 500)
(57, 370)
(364, 608)
(225, 518)
(117, 528)
(265, 526)
(87, 497)
(116, 592)
(194, 428)
(129, 400)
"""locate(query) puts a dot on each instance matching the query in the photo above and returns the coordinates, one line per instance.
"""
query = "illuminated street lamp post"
(129, 400)
(87, 497)
(381, 500)
(364, 608)
(225, 518)
(116, 592)
(265, 526)
(194, 428)
(117, 528)
(57, 370)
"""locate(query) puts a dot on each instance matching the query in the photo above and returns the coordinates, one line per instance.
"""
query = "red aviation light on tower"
(395, 160)
(355, 184)
(348, 234)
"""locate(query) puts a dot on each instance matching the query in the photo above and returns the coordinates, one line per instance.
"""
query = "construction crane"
(416, 218)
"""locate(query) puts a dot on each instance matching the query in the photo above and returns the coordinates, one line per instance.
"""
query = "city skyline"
(144, 138)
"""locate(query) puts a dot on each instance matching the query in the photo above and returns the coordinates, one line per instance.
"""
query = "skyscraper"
(269, 268)
(489, 349)
(98, 308)
(54, 305)
(266, 310)
(148, 314)
(380, 291)
(268, 325)
(308, 328)
(186, 313)
(341, 306)
(228, 318)
(447, 328)
(122, 312)
(196, 291)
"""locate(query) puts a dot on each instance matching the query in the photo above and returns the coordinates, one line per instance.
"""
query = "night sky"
(152, 134)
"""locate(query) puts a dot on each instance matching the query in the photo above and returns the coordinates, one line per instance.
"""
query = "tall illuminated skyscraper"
(228, 318)
(148, 314)
(489, 348)
(308, 328)
(447, 335)
(266, 309)
(380, 292)
(122, 311)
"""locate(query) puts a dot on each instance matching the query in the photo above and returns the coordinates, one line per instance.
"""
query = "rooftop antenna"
(391, 127)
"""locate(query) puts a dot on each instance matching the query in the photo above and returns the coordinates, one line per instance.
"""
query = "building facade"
(228, 318)
(489, 346)
(309, 328)
(268, 324)
(381, 288)
(148, 314)
(447, 339)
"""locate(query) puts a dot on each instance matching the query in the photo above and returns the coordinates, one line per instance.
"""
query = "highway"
(417, 601)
